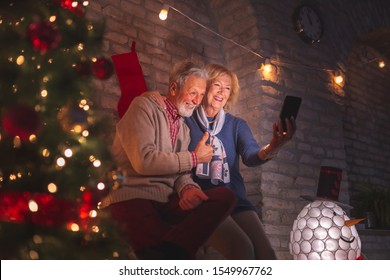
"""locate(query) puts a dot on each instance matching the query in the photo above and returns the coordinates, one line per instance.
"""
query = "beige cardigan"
(143, 152)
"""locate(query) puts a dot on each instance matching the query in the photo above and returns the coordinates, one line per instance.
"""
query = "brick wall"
(375, 244)
(326, 133)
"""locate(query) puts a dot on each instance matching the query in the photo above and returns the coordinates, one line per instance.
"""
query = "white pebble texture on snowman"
(319, 233)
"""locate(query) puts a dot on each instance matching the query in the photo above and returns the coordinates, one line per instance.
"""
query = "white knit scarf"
(217, 170)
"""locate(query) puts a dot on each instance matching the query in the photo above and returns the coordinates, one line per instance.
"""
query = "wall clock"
(308, 24)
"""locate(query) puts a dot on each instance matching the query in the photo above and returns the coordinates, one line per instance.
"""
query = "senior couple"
(180, 155)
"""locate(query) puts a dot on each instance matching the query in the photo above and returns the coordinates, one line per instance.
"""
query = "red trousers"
(146, 223)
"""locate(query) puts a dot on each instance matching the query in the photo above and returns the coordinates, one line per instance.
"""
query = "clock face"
(308, 24)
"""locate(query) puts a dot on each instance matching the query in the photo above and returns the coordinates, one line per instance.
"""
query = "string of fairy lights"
(269, 64)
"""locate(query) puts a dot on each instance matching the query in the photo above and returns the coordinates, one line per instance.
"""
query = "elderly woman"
(240, 236)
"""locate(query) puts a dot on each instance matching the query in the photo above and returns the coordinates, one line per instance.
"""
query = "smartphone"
(290, 109)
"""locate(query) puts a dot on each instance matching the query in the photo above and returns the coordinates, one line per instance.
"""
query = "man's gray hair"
(182, 70)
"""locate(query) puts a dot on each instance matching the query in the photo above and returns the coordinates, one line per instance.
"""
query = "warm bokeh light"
(267, 67)
(101, 186)
(93, 214)
(52, 188)
(77, 129)
(32, 138)
(73, 227)
(20, 60)
(68, 153)
(17, 142)
(33, 255)
(37, 239)
(61, 162)
(339, 80)
(163, 15)
(45, 153)
(33, 206)
(95, 229)
(97, 163)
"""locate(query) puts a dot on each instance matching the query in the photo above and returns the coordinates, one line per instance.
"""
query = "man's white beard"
(181, 108)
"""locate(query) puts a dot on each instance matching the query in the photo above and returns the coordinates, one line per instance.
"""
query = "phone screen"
(290, 109)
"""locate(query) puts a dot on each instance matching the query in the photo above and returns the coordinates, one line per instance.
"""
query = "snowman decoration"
(322, 230)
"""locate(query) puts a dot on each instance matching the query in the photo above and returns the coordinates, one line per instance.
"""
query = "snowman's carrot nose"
(350, 223)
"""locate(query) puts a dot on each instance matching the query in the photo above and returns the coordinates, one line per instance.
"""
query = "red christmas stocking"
(130, 77)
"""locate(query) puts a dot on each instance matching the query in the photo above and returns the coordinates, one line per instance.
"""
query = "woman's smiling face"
(217, 95)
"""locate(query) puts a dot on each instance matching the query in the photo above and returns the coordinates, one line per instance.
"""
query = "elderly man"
(163, 213)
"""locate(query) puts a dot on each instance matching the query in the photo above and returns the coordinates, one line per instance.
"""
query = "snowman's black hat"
(329, 186)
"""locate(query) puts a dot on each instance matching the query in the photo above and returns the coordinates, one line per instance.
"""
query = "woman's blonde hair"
(217, 70)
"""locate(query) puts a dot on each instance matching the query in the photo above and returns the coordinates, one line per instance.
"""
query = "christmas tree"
(54, 158)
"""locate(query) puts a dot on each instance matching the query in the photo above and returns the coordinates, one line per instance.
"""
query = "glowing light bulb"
(381, 64)
(17, 142)
(163, 15)
(32, 138)
(77, 128)
(33, 206)
(101, 186)
(68, 153)
(95, 229)
(33, 255)
(267, 67)
(73, 227)
(338, 79)
(20, 60)
(97, 163)
(52, 188)
(93, 213)
(45, 153)
(61, 162)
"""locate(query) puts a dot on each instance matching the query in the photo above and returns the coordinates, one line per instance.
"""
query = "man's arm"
(144, 136)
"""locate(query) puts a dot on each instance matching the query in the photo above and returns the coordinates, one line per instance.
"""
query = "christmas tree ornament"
(21, 121)
(38, 208)
(43, 36)
(52, 211)
(102, 68)
(73, 118)
(130, 77)
(69, 5)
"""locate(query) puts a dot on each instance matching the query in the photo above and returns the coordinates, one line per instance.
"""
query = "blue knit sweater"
(238, 141)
